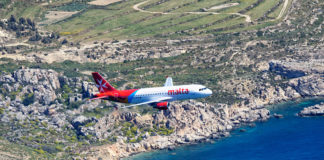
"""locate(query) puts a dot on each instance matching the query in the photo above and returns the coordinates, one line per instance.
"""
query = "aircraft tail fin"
(102, 84)
(168, 82)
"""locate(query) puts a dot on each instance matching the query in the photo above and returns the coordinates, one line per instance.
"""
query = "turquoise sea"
(288, 138)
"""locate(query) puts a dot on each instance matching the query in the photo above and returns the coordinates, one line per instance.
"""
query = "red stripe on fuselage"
(117, 95)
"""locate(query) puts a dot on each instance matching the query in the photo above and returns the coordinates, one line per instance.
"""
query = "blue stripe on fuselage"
(130, 97)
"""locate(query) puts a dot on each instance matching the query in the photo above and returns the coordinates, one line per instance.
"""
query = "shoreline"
(236, 133)
(200, 122)
(251, 124)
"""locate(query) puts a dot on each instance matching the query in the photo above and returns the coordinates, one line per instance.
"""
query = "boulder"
(80, 120)
(37, 76)
(316, 110)
(7, 78)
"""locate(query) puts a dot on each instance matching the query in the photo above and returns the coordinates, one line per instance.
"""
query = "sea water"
(288, 138)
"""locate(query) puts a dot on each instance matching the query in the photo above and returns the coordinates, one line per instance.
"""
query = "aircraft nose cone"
(209, 92)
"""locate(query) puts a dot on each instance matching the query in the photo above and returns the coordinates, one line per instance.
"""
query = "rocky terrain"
(44, 87)
(103, 52)
(45, 100)
(194, 121)
(316, 110)
(36, 100)
(191, 121)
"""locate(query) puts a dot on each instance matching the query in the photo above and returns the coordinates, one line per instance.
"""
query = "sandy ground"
(56, 56)
(103, 2)
(17, 44)
(44, 4)
(55, 16)
(60, 55)
(87, 72)
(18, 57)
(5, 36)
(283, 9)
(223, 6)
(2, 33)
(8, 156)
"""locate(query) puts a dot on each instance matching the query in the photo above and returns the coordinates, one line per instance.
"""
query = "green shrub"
(13, 95)
(44, 124)
(74, 105)
(165, 131)
(132, 140)
(89, 136)
(40, 151)
(127, 124)
(129, 134)
(74, 139)
(29, 99)
(59, 148)
(139, 138)
(134, 129)
(90, 124)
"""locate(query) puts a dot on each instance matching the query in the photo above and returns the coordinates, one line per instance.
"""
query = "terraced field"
(172, 18)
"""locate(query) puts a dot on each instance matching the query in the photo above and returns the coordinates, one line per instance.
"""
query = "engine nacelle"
(161, 105)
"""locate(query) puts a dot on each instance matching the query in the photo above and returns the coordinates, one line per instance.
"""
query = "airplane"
(158, 97)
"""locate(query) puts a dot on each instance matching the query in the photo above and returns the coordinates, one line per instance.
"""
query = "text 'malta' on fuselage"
(158, 97)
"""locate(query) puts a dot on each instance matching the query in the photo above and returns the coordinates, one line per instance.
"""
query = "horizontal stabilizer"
(98, 98)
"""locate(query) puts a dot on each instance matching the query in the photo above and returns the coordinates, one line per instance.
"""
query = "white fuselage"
(181, 92)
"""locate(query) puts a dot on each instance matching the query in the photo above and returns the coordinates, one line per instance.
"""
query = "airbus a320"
(158, 97)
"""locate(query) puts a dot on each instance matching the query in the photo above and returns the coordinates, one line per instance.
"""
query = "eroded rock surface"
(316, 110)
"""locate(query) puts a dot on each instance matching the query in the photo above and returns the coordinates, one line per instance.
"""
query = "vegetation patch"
(122, 20)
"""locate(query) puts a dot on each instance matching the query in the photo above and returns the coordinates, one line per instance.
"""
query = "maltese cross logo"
(101, 85)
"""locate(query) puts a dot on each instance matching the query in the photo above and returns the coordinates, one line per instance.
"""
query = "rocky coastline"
(44, 111)
(196, 122)
(41, 96)
(316, 110)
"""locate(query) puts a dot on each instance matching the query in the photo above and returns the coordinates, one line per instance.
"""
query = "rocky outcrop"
(29, 94)
(47, 78)
(316, 110)
(312, 85)
(295, 69)
(195, 121)
(41, 83)
(5, 36)
(188, 121)
(192, 122)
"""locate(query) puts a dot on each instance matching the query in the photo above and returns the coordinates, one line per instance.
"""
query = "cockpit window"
(201, 89)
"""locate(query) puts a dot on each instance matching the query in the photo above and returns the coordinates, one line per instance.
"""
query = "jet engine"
(161, 105)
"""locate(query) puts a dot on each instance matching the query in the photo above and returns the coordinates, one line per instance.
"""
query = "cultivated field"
(171, 18)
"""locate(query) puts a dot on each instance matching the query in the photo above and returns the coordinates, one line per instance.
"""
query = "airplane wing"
(148, 102)
(168, 82)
